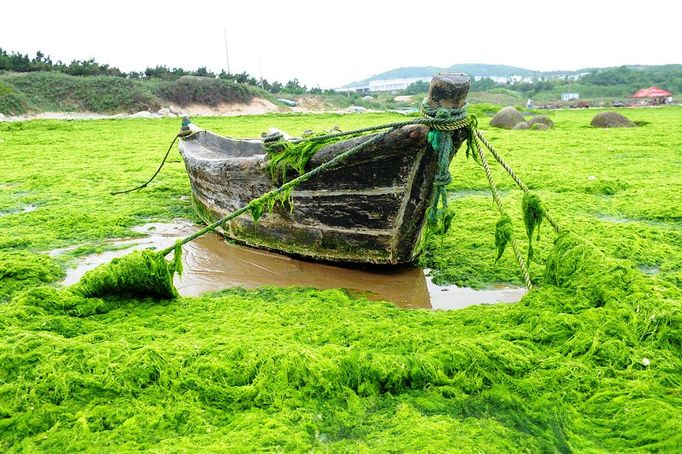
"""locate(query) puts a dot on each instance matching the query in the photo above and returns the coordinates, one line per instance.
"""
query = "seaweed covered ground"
(588, 361)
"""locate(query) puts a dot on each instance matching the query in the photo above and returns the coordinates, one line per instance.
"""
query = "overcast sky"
(333, 43)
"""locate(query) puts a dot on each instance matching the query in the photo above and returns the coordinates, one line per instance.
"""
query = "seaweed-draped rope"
(503, 227)
(514, 177)
(443, 123)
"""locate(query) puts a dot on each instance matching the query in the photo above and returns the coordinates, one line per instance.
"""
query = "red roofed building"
(653, 95)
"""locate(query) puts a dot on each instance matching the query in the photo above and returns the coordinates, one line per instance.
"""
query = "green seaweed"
(577, 264)
(24, 269)
(285, 369)
(140, 273)
(261, 206)
(286, 156)
(503, 234)
(533, 214)
(177, 259)
(588, 361)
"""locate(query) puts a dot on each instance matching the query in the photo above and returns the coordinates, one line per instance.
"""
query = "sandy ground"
(256, 107)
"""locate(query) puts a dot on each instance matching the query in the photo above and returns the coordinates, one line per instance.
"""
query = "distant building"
(569, 96)
(395, 84)
(561, 76)
(375, 86)
(496, 79)
(652, 95)
(354, 89)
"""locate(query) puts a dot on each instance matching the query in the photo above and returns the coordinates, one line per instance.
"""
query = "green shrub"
(11, 102)
(5, 89)
(54, 91)
(201, 90)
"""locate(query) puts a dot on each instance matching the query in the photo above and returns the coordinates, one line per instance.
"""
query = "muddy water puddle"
(211, 264)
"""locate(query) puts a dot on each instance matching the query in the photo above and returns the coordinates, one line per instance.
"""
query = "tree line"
(18, 62)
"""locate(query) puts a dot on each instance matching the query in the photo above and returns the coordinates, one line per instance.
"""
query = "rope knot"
(440, 138)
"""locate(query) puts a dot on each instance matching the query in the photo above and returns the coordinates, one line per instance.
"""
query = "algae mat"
(590, 363)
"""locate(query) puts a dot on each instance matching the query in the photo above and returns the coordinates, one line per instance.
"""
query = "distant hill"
(473, 69)
(482, 70)
(477, 69)
(51, 91)
(400, 73)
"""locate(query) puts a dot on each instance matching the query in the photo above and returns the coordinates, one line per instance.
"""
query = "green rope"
(438, 218)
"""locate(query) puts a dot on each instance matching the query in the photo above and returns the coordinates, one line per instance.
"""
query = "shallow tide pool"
(211, 264)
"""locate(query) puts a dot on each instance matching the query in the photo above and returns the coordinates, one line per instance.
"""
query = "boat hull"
(370, 209)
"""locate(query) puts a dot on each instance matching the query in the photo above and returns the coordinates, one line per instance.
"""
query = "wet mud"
(212, 264)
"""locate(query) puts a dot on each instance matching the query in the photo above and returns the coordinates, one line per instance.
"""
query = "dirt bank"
(257, 106)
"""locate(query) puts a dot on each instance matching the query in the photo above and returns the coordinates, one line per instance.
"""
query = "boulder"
(539, 127)
(165, 111)
(541, 119)
(522, 125)
(507, 118)
(142, 114)
(611, 120)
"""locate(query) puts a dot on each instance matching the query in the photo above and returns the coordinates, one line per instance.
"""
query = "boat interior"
(224, 146)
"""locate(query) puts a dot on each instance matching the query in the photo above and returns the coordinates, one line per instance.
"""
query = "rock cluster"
(510, 118)
(169, 111)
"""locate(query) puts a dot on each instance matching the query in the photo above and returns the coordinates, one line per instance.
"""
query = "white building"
(569, 96)
(395, 84)
(375, 86)
(496, 79)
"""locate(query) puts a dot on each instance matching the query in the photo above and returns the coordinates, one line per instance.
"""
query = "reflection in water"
(212, 264)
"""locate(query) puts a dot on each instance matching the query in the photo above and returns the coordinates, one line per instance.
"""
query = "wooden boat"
(371, 209)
